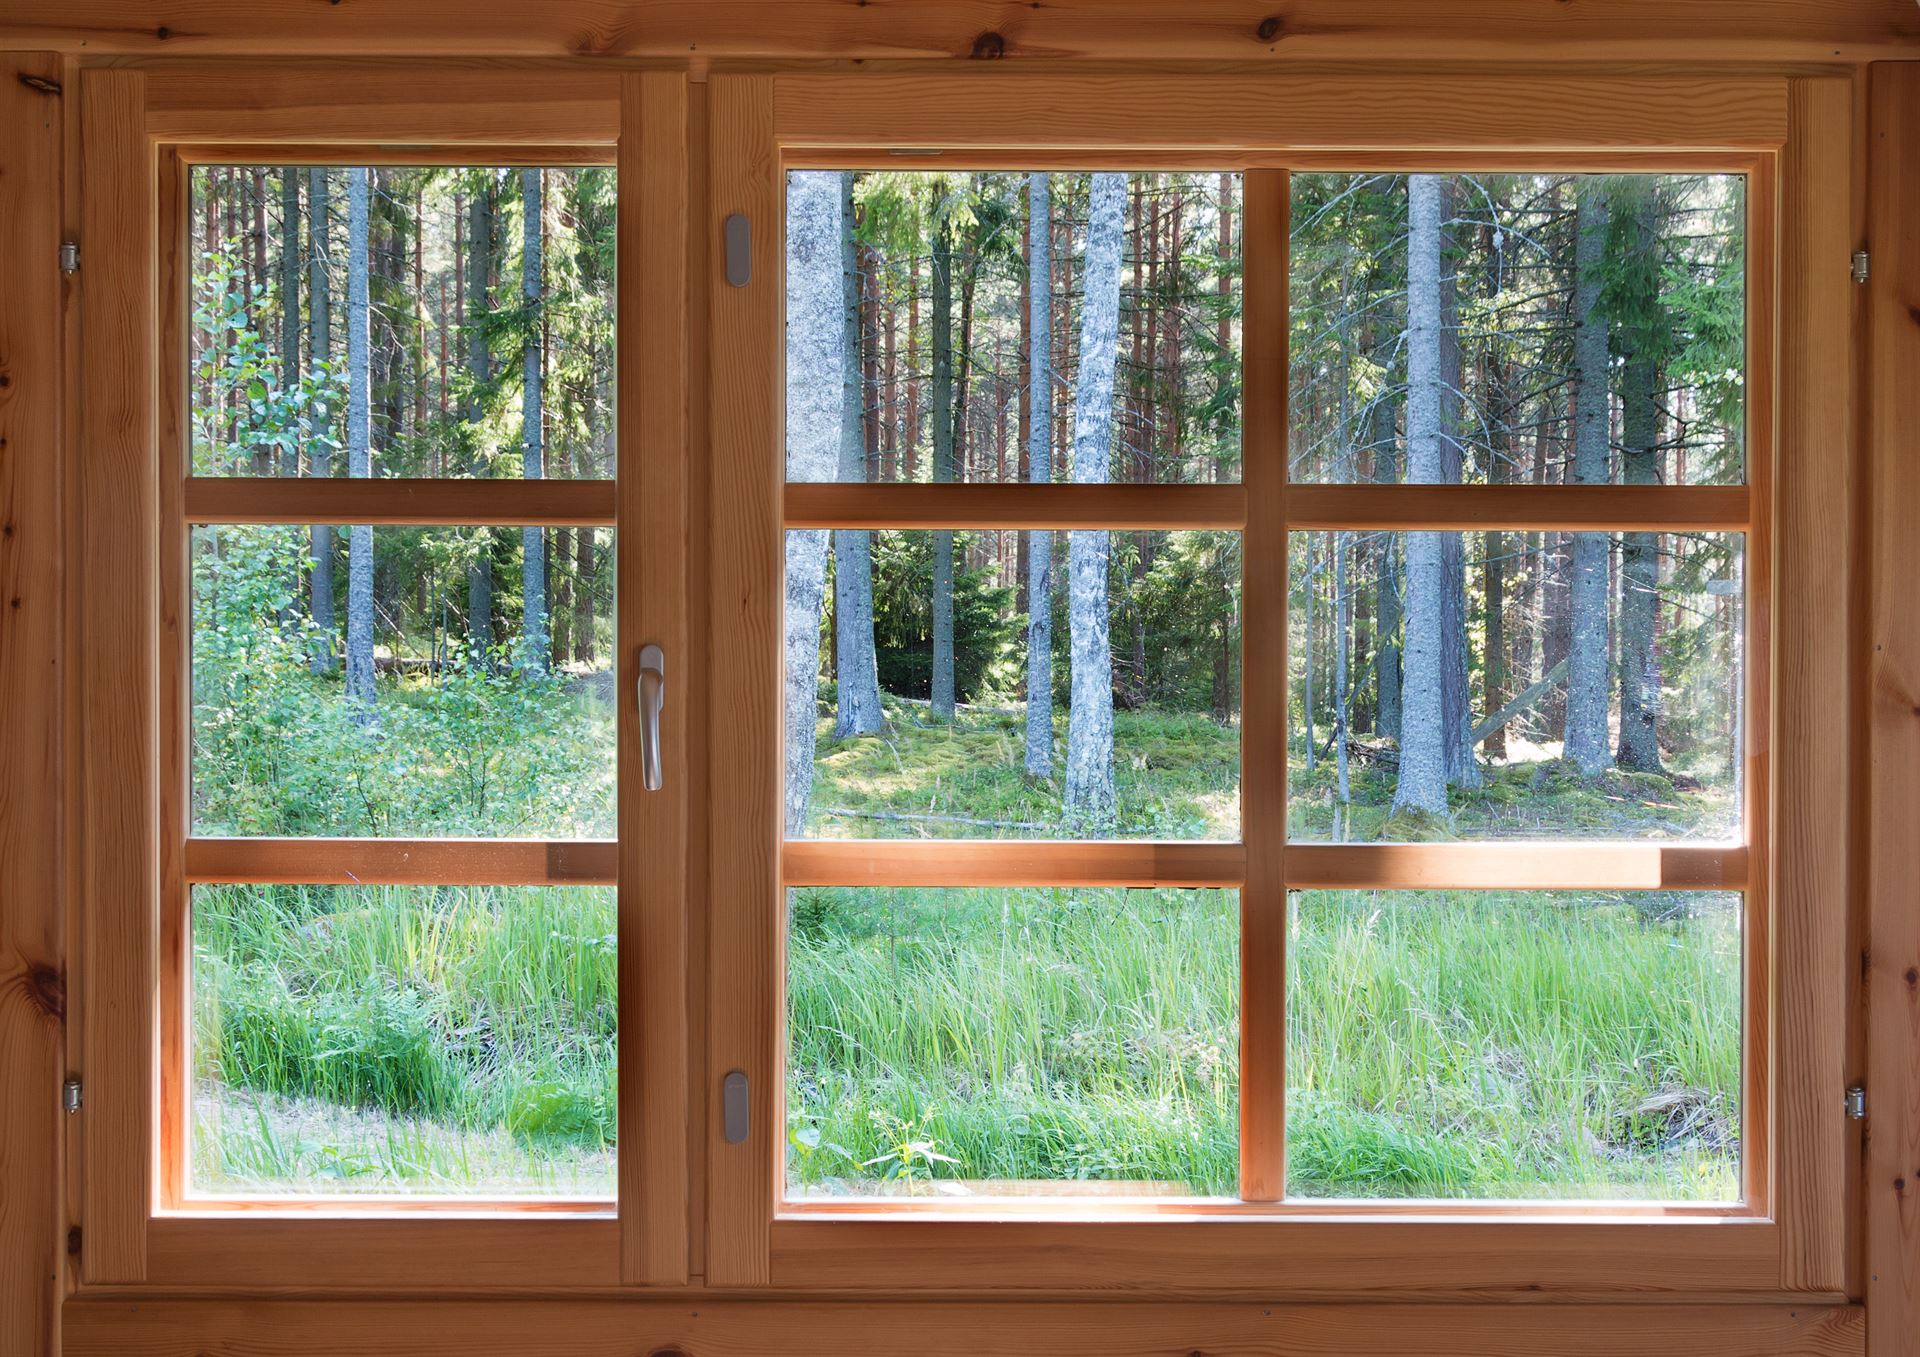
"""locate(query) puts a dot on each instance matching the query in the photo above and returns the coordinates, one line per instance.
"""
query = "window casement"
(701, 506)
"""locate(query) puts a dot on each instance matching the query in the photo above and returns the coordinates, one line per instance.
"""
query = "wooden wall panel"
(32, 970)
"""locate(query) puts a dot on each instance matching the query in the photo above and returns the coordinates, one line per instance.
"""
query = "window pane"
(412, 698)
(1595, 677)
(946, 1043)
(1445, 328)
(1462, 1045)
(941, 741)
(488, 302)
(913, 346)
(450, 1041)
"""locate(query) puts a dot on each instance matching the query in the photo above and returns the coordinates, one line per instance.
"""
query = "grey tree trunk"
(1640, 465)
(320, 452)
(359, 449)
(479, 369)
(1586, 745)
(1386, 655)
(1422, 784)
(1039, 762)
(1090, 793)
(533, 541)
(858, 711)
(816, 342)
(942, 398)
(1456, 655)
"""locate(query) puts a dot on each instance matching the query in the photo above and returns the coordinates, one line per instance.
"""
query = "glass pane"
(420, 682)
(469, 310)
(1447, 327)
(915, 351)
(898, 730)
(1515, 685)
(1508, 1045)
(455, 1041)
(951, 1043)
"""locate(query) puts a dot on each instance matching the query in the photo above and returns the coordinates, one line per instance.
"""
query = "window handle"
(653, 696)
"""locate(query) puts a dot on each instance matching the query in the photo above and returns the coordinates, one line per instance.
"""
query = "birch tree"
(1039, 752)
(858, 711)
(359, 448)
(1090, 792)
(816, 355)
(479, 371)
(1586, 731)
(533, 541)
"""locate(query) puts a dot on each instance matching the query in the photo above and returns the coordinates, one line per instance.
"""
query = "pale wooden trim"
(1295, 110)
(323, 153)
(402, 862)
(117, 557)
(1812, 714)
(1891, 962)
(1516, 866)
(1022, 505)
(600, 1327)
(652, 603)
(744, 737)
(411, 500)
(474, 102)
(1585, 160)
(1263, 687)
(1469, 508)
(933, 863)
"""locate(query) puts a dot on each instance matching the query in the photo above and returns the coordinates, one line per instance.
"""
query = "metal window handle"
(653, 696)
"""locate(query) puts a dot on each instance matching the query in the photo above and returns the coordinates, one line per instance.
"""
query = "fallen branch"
(942, 819)
(1533, 694)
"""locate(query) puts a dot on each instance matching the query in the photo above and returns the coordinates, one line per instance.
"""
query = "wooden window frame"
(135, 504)
(1787, 135)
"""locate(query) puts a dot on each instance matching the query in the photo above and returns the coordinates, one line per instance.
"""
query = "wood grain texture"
(744, 733)
(1515, 866)
(1891, 1172)
(1023, 505)
(652, 601)
(1274, 31)
(325, 499)
(403, 862)
(1465, 508)
(115, 708)
(33, 996)
(1813, 480)
(851, 862)
(720, 1328)
(1293, 110)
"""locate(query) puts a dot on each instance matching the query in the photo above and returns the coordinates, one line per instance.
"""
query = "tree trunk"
(1463, 770)
(816, 411)
(1586, 736)
(1387, 583)
(1039, 753)
(359, 449)
(320, 452)
(858, 711)
(1090, 797)
(1422, 784)
(943, 433)
(290, 306)
(533, 541)
(1640, 465)
(479, 370)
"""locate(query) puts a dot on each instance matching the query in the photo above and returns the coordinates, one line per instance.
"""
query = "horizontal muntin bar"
(403, 862)
(1466, 508)
(1001, 862)
(1515, 866)
(1018, 505)
(410, 500)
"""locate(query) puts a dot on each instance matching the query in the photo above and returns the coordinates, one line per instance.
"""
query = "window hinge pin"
(1860, 262)
(69, 257)
(70, 1095)
(1857, 1103)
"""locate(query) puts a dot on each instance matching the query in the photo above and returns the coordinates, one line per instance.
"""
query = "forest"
(1002, 684)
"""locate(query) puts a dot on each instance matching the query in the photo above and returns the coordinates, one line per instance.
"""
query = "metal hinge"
(1857, 1103)
(1860, 262)
(69, 257)
(70, 1095)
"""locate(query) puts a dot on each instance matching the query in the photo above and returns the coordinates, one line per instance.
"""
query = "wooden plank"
(652, 601)
(1022, 505)
(1204, 30)
(412, 500)
(406, 156)
(948, 1328)
(1813, 683)
(479, 102)
(1469, 508)
(1264, 687)
(1402, 111)
(919, 862)
(1515, 866)
(744, 736)
(33, 998)
(402, 862)
(116, 566)
(1892, 959)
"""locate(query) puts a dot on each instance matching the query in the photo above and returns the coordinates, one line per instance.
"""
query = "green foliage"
(984, 630)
